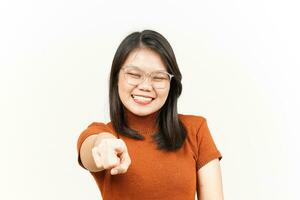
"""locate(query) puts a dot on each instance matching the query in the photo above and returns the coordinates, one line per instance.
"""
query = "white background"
(240, 67)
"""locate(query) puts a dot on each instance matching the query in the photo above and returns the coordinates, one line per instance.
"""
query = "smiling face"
(147, 61)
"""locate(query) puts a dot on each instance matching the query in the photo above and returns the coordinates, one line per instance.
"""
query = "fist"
(112, 154)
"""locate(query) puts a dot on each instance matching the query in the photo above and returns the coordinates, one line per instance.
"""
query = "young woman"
(148, 150)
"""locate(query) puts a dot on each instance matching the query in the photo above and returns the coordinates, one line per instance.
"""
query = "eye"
(134, 74)
(160, 77)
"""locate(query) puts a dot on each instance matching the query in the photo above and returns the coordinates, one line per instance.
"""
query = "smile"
(142, 100)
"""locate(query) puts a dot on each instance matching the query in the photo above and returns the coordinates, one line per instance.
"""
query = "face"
(147, 61)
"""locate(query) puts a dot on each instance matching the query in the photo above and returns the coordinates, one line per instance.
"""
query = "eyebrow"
(142, 70)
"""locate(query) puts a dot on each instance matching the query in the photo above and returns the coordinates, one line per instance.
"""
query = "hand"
(111, 153)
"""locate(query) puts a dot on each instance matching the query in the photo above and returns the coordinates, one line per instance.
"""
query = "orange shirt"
(156, 174)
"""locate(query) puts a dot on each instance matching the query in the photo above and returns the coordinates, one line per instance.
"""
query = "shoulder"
(97, 124)
(102, 127)
(192, 124)
(189, 120)
(98, 127)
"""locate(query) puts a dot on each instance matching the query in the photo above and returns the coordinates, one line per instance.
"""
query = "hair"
(171, 131)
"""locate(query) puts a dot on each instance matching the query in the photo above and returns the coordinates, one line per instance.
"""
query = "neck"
(145, 125)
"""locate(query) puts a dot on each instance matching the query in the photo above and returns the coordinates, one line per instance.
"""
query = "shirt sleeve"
(207, 149)
(93, 128)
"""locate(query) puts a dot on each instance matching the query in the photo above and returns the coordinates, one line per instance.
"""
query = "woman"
(148, 150)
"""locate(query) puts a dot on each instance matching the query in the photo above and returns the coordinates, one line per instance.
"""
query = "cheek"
(124, 89)
(121, 89)
(163, 95)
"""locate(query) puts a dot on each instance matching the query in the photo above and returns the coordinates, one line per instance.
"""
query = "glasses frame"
(145, 75)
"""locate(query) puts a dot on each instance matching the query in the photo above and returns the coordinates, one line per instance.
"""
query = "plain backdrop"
(240, 67)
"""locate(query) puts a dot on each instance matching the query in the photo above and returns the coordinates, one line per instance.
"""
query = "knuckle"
(103, 142)
(108, 165)
(122, 143)
(98, 164)
(105, 166)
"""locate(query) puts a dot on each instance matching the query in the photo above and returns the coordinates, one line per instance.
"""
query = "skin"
(210, 179)
(209, 176)
(148, 61)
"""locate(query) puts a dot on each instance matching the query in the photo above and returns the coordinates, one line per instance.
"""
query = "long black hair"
(171, 132)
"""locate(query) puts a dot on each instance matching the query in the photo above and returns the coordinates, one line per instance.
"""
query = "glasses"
(135, 76)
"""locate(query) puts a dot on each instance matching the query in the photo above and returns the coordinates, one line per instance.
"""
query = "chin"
(141, 112)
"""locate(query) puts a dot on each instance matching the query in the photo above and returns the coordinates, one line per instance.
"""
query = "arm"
(210, 181)
(86, 150)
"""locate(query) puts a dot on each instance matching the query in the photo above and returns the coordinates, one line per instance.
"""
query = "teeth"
(142, 98)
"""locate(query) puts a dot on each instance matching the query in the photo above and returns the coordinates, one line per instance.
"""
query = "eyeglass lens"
(135, 77)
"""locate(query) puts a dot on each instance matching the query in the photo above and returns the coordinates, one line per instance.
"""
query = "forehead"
(146, 60)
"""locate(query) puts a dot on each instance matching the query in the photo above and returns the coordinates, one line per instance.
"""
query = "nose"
(145, 84)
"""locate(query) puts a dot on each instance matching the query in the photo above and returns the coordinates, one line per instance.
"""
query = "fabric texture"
(153, 173)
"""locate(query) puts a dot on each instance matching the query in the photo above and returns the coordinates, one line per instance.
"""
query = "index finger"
(124, 164)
